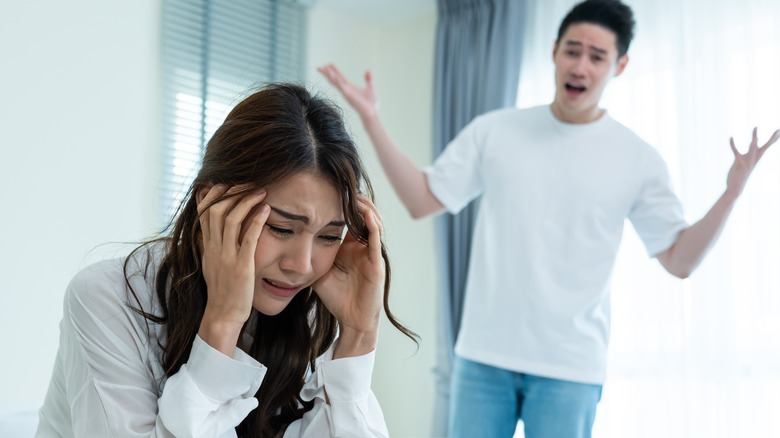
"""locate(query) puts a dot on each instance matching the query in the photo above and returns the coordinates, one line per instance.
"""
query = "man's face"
(585, 60)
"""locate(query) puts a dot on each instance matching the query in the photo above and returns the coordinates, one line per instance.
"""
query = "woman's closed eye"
(281, 232)
(330, 238)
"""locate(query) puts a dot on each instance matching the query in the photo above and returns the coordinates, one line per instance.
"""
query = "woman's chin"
(270, 307)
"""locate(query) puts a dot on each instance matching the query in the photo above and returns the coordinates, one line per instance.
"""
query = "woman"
(257, 315)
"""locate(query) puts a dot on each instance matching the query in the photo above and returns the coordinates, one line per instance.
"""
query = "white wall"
(401, 59)
(78, 131)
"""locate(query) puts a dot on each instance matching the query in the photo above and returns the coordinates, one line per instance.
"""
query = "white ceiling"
(378, 12)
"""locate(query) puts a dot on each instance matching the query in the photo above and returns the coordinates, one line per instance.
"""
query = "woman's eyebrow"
(301, 218)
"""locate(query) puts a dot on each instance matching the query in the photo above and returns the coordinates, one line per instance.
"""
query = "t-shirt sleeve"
(657, 214)
(454, 177)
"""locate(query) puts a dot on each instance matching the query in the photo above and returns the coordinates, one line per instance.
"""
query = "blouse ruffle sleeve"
(105, 383)
(349, 409)
(211, 394)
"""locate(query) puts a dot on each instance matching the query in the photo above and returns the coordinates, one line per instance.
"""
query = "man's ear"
(555, 49)
(621, 64)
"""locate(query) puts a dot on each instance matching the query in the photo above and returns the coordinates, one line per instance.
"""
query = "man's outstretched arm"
(694, 242)
(408, 180)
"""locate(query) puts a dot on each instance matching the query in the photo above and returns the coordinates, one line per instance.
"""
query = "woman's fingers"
(374, 236)
(218, 212)
(374, 225)
(252, 234)
(214, 192)
(365, 202)
(235, 219)
(222, 213)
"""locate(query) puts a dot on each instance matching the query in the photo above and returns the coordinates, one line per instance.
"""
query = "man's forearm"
(693, 243)
(408, 180)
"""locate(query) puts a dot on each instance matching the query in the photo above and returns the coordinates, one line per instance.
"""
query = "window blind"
(214, 52)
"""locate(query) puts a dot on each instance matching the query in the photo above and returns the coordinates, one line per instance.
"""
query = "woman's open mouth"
(281, 289)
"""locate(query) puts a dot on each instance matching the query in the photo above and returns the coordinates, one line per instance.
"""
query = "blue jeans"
(486, 401)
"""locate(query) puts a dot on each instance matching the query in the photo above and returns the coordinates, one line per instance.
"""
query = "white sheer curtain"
(700, 357)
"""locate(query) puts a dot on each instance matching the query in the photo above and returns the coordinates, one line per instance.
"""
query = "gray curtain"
(478, 51)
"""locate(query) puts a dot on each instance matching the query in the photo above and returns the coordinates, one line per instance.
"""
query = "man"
(556, 183)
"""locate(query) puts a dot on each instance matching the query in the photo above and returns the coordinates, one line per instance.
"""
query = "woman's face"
(299, 241)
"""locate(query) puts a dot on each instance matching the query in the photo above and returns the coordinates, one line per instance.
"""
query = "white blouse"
(108, 379)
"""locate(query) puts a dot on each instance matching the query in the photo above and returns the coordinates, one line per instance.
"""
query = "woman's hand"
(228, 249)
(363, 100)
(353, 289)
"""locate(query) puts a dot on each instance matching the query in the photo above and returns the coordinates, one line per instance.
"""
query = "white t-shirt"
(108, 380)
(554, 200)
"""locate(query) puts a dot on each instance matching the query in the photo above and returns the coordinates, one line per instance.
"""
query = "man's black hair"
(610, 14)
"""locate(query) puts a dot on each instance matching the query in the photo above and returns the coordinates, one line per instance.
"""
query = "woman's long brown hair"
(273, 134)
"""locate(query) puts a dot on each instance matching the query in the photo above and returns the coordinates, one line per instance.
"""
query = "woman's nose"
(297, 259)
